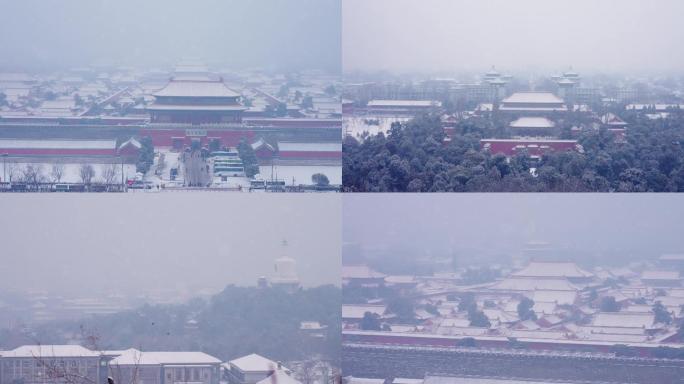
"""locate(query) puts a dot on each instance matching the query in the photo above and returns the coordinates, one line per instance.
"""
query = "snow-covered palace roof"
(532, 122)
(533, 284)
(196, 88)
(57, 144)
(533, 98)
(624, 319)
(553, 269)
(404, 103)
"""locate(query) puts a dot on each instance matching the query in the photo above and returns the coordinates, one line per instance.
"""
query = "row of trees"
(413, 157)
(35, 174)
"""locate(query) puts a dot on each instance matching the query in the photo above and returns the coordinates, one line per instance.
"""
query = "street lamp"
(122, 172)
(4, 167)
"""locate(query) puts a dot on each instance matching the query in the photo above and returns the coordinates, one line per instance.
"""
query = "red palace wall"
(309, 155)
(164, 137)
(58, 152)
(293, 123)
(508, 148)
(437, 341)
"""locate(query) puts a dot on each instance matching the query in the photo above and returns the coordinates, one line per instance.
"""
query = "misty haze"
(273, 34)
(526, 35)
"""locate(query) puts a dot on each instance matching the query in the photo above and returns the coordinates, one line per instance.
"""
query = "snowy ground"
(356, 126)
(71, 171)
(302, 173)
(159, 175)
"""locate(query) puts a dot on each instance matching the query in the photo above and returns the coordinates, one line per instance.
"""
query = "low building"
(59, 364)
(251, 369)
(137, 367)
(534, 147)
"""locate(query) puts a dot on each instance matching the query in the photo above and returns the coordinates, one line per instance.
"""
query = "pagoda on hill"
(196, 100)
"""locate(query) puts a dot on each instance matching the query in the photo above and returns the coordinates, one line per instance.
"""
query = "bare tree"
(110, 173)
(57, 172)
(13, 171)
(308, 372)
(161, 164)
(33, 174)
(87, 173)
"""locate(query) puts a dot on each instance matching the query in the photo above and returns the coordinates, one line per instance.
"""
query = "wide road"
(196, 174)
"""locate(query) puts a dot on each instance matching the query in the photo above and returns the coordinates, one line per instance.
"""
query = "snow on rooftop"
(553, 269)
(623, 319)
(533, 97)
(196, 88)
(311, 325)
(309, 147)
(660, 275)
(132, 141)
(56, 144)
(402, 380)
(558, 297)
(360, 272)
(254, 363)
(38, 351)
(400, 279)
(361, 380)
(672, 257)
(135, 357)
(533, 284)
(404, 103)
(532, 122)
(358, 311)
(279, 376)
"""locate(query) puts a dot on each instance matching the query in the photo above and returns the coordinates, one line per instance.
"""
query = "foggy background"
(541, 35)
(280, 34)
(134, 244)
(488, 227)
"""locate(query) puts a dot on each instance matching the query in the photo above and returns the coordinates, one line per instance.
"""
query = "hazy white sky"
(285, 34)
(639, 225)
(164, 241)
(426, 35)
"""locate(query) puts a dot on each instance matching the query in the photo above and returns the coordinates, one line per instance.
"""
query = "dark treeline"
(233, 323)
(413, 158)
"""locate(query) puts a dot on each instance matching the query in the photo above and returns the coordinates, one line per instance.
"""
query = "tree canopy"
(413, 157)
